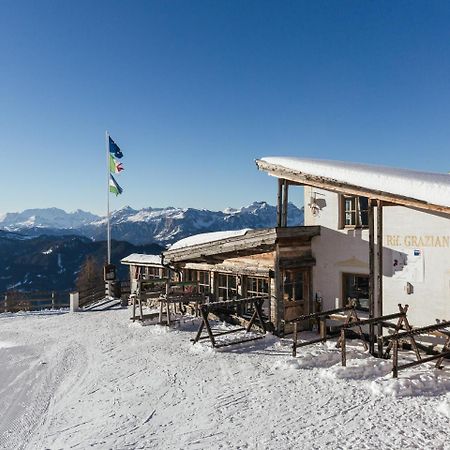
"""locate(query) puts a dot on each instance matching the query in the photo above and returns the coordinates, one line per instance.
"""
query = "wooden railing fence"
(14, 301)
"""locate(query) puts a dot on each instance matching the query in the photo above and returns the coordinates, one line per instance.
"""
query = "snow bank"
(430, 383)
(70, 383)
(427, 186)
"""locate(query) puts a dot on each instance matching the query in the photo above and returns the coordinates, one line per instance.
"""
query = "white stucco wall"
(418, 241)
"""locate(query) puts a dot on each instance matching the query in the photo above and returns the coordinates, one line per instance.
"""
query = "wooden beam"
(379, 289)
(345, 188)
(279, 301)
(279, 201)
(371, 274)
(285, 204)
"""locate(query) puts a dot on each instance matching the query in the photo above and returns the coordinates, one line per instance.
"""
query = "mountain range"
(43, 249)
(148, 225)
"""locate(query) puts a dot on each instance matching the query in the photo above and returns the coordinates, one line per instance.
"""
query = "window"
(354, 211)
(227, 286)
(204, 284)
(189, 275)
(257, 286)
(293, 285)
(356, 287)
(153, 273)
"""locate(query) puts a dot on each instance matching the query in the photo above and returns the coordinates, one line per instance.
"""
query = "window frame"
(361, 215)
(261, 283)
(204, 285)
(228, 289)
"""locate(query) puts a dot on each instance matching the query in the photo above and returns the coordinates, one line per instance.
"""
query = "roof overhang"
(140, 259)
(341, 187)
(253, 242)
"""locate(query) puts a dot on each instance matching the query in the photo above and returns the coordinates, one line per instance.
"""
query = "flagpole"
(108, 224)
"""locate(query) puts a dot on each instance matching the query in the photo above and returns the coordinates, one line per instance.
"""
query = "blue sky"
(194, 91)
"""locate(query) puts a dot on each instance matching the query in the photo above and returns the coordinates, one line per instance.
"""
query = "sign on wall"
(408, 265)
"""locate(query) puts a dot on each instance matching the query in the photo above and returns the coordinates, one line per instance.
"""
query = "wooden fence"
(120, 289)
(92, 295)
(14, 301)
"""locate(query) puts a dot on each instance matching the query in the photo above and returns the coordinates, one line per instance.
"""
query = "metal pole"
(108, 230)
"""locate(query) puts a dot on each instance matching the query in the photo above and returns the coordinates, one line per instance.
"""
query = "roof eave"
(345, 188)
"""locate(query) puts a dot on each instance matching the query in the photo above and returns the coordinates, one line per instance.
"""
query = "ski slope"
(93, 380)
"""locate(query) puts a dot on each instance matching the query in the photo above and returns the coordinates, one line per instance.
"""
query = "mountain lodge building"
(376, 235)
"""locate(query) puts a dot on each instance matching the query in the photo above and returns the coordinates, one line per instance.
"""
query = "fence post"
(74, 301)
(6, 302)
(53, 299)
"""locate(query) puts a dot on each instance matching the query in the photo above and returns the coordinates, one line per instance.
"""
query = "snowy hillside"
(93, 380)
(53, 262)
(161, 225)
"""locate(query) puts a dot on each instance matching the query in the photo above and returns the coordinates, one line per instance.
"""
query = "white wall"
(405, 232)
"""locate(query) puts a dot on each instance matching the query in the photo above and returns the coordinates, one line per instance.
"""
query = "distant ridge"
(148, 225)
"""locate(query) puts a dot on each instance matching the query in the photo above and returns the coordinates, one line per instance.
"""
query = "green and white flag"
(114, 186)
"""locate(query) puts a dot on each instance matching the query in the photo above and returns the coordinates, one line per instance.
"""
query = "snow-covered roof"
(204, 238)
(428, 187)
(141, 259)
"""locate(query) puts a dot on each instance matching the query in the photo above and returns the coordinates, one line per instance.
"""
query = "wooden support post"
(161, 310)
(379, 288)
(53, 299)
(371, 274)
(395, 360)
(445, 349)
(141, 313)
(380, 346)
(279, 201)
(285, 204)
(343, 348)
(294, 344)
(199, 332)
(323, 328)
(208, 328)
(278, 309)
(168, 311)
(134, 307)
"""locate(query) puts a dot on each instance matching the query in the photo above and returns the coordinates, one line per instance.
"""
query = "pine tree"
(90, 275)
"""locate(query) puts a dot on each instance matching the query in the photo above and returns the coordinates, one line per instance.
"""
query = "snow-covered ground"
(93, 380)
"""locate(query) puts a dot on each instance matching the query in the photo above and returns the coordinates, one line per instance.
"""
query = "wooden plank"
(222, 333)
(423, 360)
(226, 344)
(214, 305)
(417, 331)
(373, 320)
(312, 341)
(319, 314)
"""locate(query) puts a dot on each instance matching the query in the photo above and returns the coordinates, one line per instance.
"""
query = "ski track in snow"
(92, 380)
